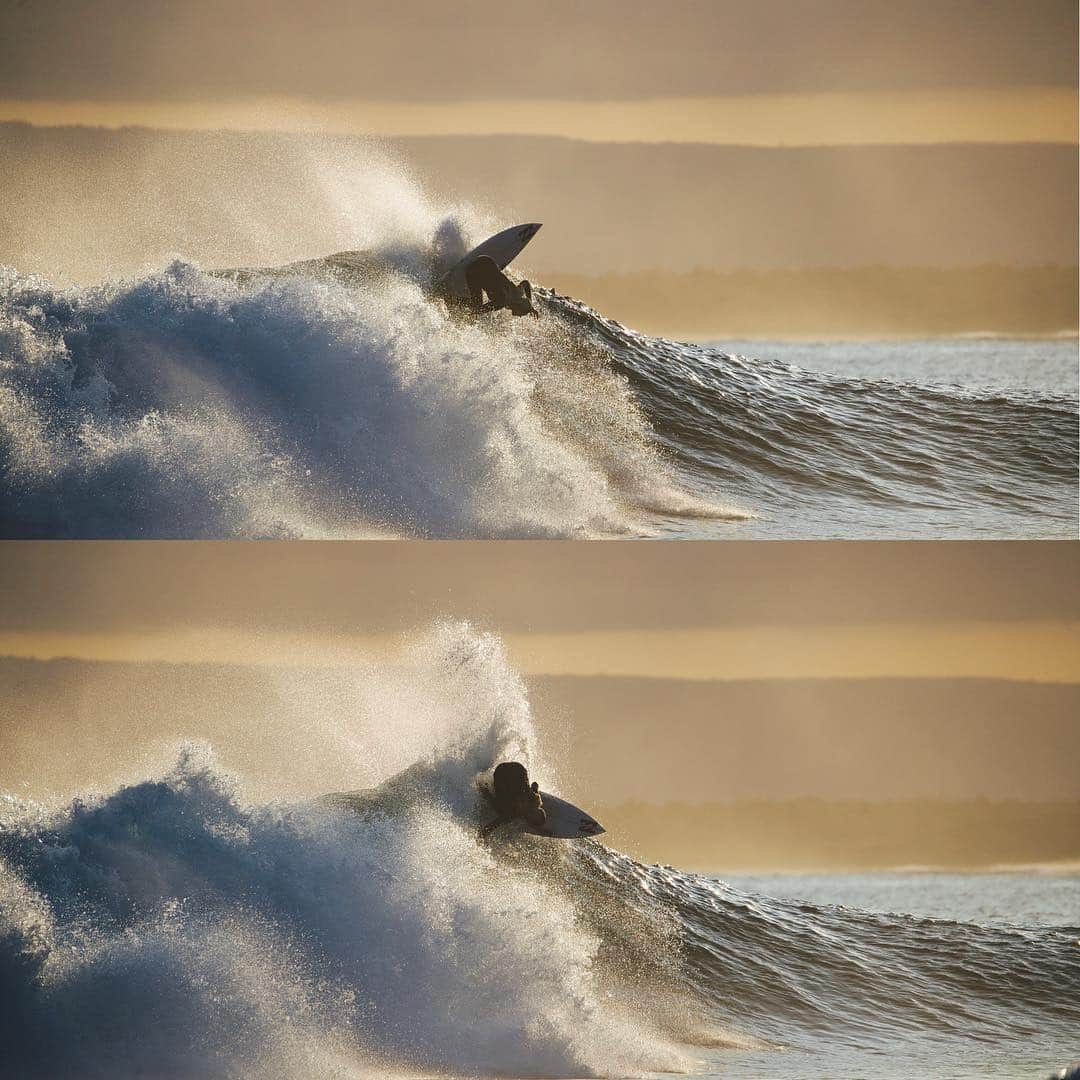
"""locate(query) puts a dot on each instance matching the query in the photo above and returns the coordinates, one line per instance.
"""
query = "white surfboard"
(565, 821)
(503, 248)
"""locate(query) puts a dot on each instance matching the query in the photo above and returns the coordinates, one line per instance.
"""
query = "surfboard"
(503, 248)
(565, 821)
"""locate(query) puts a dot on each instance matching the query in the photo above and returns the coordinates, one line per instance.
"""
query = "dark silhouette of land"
(606, 49)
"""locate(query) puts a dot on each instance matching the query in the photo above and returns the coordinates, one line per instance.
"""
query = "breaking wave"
(337, 398)
(309, 404)
(175, 926)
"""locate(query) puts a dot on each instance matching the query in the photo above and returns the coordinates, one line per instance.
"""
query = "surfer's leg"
(476, 290)
(483, 276)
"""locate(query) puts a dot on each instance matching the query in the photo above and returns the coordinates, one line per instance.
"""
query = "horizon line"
(1029, 113)
(374, 137)
(372, 659)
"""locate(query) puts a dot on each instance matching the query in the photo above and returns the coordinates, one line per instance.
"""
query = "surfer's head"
(510, 778)
(520, 300)
(514, 797)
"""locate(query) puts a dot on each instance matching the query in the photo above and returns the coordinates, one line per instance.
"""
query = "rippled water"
(865, 440)
(1044, 896)
(1048, 366)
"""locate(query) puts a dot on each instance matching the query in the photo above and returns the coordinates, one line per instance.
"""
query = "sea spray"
(192, 933)
(186, 404)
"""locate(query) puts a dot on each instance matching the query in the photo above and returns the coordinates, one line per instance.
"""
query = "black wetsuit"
(512, 796)
(483, 275)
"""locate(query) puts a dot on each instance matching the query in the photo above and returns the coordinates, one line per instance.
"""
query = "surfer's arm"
(536, 814)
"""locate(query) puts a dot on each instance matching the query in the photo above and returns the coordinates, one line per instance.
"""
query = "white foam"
(187, 405)
(171, 926)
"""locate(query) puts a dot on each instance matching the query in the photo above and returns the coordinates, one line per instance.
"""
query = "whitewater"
(336, 397)
(182, 921)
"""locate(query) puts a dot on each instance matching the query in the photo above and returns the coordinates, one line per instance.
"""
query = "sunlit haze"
(781, 611)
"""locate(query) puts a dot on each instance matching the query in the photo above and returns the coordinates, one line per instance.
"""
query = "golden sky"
(1031, 650)
(757, 72)
(1025, 114)
(688, 610)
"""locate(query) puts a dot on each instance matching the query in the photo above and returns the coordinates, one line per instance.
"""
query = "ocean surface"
(174, 924)
(337, 398)
(1029, 896)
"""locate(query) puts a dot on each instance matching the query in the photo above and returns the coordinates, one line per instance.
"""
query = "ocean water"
(986, 364)
(176, 924)
(943, 438)
(338, 399)
(1022, 896)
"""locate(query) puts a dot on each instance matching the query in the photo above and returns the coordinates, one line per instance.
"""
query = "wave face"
(335, 398)
(171, 926)
(827, 456)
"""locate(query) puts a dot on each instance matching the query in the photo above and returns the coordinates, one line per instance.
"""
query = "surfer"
(483, 275)
(511, 796)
